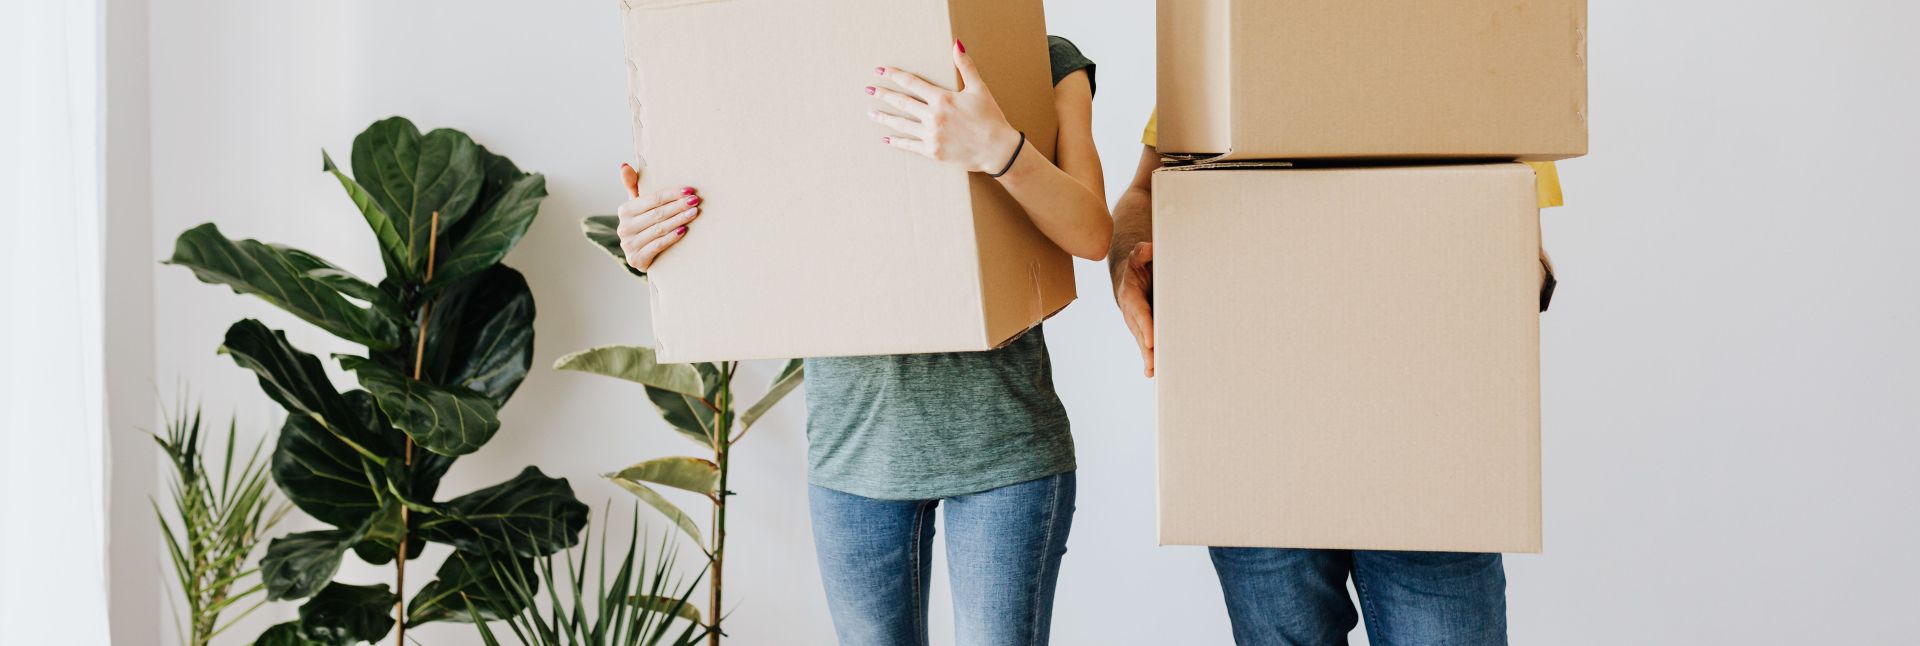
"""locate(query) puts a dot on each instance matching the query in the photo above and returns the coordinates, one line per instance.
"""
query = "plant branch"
(419, 368)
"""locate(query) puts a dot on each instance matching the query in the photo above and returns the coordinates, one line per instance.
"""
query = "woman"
(892, 438)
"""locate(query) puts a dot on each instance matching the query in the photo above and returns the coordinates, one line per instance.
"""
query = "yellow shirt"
(1547, 175)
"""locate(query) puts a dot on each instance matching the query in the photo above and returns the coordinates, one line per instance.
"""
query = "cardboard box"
(816, 239)
(1349, 357)
(1373, 79)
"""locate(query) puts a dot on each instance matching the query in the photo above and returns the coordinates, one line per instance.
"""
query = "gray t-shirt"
(929, 426)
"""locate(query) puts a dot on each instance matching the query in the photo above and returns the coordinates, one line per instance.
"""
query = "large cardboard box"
(815, 239)
(1373, 79)
(1349, 357)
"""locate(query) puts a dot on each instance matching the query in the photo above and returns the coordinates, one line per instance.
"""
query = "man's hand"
(1133, 290)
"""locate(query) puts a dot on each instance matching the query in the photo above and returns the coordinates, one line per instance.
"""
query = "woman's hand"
(651, 225)
(964, 128)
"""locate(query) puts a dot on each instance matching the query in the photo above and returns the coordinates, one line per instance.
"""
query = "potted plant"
(447, 337)
(698, 403)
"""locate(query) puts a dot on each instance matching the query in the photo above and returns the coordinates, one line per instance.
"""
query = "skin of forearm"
(1064, 209)
(1132, 225)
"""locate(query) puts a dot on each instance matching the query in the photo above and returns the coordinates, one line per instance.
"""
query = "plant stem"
(419, 366)
(723, 445)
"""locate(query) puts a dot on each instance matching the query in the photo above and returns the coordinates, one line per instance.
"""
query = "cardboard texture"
(1349, 357)
(815, 239)
(1373, 79)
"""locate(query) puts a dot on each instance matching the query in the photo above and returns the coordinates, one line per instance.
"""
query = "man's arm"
(1131, 258)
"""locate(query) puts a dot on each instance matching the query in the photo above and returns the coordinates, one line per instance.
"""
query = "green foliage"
(295, 281)
(348, 614)
(539, 512)
(448, 420)
(695, 401)
(640, 605)
(603, 232)
(448, 337)
(688, 474)
(218, 519)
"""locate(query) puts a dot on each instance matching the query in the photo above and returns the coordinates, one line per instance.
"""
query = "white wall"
(1730, 368)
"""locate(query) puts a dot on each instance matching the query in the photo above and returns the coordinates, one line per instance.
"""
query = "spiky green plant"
(640, 605)
(217, 522)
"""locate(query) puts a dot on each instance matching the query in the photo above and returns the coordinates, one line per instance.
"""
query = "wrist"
(1004, 145)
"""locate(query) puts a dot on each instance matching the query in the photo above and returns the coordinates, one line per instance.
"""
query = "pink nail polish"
(680, 231)
(687, 191)
(886, 140)
(871, 90)
(961, 45)
(693, 201)
(880, 71)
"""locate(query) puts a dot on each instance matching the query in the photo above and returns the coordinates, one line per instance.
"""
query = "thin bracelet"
(1016, 157)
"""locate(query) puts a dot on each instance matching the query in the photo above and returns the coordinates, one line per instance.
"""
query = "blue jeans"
(1294, 597)
(1003, 557)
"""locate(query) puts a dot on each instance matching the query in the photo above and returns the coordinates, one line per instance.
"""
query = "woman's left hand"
(964, 128)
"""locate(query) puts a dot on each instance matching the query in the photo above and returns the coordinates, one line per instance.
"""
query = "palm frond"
(641, 604)
(216, 521)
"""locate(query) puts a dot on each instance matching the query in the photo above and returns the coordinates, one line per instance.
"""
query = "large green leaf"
(350, 285)
(322, 476)
(466, 577)
(448, 420)
(687, 416)
(348, 614)
(697, 419)
(666, 507)
(297, 382)
(687, 474)
(412, 177)
(293, 280)
(530, 515)
(386, 230)
(509, 200)
(297, 566)
(638, 365)
(287, 634)
(783, 383)
(427, 469)
(604, 232)
(379, 542)
(682, 393)
(480, 335)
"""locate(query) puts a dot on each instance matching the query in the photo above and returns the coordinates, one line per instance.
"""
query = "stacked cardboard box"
(817, 240)
(1348, 278)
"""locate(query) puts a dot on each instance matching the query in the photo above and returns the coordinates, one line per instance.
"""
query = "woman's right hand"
(651, 225)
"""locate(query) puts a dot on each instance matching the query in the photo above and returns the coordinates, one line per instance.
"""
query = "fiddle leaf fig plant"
(447, 338)
(697, 402)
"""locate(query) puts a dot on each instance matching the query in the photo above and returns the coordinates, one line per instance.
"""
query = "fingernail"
(880, 71)
(886, 140)
(693, 201)
(873, 114)
(687, 191)
(961, 45)
(625, 166)
(871, 90)
(680, 231)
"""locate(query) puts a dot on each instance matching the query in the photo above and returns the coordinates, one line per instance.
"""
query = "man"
(1299, 596)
